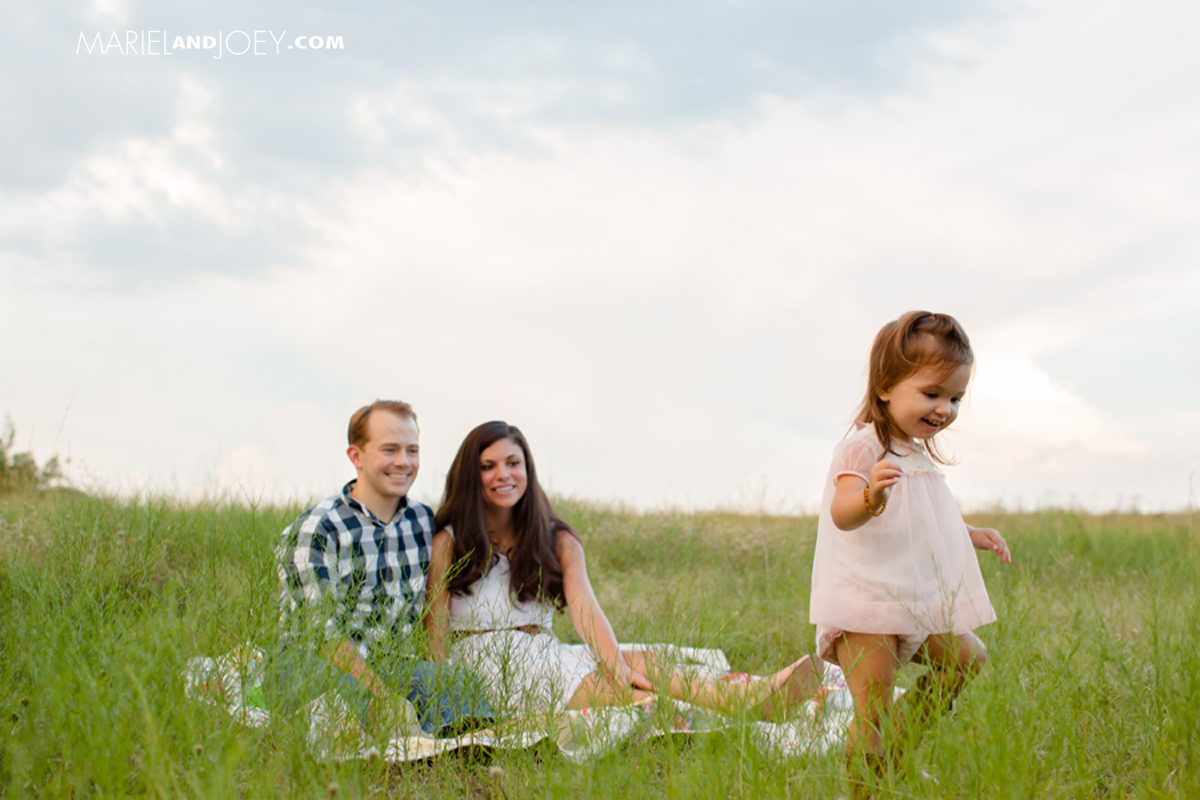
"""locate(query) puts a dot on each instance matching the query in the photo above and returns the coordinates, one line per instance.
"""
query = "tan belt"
(530, 629)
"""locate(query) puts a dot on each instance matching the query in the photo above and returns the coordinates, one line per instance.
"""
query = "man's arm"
(308, 567)
(345, 656)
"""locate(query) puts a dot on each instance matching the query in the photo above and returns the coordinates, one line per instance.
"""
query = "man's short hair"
(357, 434)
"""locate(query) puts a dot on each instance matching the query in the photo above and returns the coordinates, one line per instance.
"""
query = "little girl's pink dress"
(911, 571)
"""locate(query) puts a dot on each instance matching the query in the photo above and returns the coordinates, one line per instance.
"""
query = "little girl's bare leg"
(952, 661)
(870, 662)
(962, 652)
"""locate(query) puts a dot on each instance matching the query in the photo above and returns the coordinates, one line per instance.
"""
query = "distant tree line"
(20, 471)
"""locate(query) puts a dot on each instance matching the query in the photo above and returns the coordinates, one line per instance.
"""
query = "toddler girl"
(894, 576)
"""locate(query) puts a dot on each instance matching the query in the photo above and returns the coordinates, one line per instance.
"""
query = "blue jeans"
(445, 696)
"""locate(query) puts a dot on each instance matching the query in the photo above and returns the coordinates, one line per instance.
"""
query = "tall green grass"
(1093, 689)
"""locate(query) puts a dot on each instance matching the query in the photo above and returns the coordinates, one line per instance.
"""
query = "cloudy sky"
(657, 237)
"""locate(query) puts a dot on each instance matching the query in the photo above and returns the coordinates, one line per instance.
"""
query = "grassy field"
(1093, 689)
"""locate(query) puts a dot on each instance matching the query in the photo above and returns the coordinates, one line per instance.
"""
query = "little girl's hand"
(990, 539)
(884, 475)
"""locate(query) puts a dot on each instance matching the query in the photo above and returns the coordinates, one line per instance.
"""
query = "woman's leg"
(599, 690)
(785, 689)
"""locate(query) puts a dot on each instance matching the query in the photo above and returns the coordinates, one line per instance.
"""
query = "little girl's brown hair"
(901, 348)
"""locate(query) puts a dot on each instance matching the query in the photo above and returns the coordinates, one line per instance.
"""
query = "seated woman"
(503, 562)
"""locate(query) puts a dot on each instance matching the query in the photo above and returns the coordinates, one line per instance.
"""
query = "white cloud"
(111, 11)
(682, 315)
(643, 264)
(1021, 422)
(298, 456)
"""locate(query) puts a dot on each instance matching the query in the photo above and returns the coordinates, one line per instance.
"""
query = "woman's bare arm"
(589, 619)
(437, 599)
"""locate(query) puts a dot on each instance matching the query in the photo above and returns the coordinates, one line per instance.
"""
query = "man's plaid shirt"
(361, 578)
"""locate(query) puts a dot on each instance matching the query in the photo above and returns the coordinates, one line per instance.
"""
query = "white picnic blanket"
(234, 681)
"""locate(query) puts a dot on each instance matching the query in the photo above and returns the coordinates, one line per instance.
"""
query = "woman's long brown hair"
(534, 568)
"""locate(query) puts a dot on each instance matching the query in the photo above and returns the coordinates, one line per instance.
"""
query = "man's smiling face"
(387, 464)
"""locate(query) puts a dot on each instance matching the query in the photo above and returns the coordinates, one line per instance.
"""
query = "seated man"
(353, 571)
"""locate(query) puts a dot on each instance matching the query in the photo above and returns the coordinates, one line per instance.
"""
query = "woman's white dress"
(524, 673)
